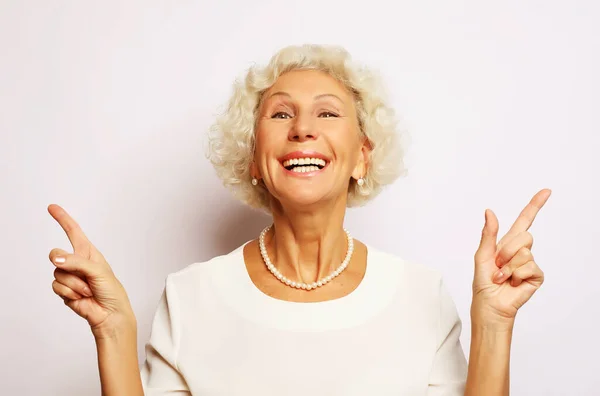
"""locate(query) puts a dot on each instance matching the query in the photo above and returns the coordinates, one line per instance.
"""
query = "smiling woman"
(303, 85)
(305, 308)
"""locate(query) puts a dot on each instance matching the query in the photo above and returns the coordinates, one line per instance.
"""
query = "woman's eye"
(281, 115)
(328, 114)
(284, 115)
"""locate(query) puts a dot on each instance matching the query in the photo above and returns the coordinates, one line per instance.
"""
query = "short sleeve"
(160, 374)
(449, 371)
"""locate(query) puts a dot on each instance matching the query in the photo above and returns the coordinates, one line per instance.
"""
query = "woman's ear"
(254, 173)
(362, 165)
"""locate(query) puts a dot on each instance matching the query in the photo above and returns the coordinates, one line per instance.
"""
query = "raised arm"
(506, 276)
(118, 363)
(87, 284)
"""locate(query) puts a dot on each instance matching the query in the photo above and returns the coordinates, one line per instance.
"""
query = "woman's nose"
(303, 128)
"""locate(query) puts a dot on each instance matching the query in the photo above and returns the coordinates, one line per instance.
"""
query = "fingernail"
(87, 292)
(59, 260)
(498, 276)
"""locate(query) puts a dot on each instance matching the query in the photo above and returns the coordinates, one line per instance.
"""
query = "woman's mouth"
(304, 166)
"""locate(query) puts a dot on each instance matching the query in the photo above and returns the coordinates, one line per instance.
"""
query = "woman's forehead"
(313, 84)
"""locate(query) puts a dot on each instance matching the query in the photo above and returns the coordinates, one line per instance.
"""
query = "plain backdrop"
(104, 108)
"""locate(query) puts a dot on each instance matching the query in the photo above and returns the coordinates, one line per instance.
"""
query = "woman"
(305, 308)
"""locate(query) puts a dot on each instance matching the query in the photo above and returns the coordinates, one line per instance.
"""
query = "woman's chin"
(300, 199)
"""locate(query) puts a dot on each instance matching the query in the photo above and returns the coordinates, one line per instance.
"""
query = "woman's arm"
(118, 362)
(506, 276)
(102, 301)
(489, 359)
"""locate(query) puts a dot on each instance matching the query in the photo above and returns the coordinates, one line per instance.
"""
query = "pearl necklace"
(300, 285)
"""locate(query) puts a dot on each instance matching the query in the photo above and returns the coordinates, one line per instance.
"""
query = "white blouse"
(215, 333)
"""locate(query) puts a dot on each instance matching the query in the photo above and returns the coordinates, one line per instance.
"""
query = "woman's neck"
(307, 245)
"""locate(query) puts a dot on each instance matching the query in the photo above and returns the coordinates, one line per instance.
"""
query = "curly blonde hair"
(231, 138)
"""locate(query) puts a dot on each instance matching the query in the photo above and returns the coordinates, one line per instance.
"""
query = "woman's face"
(308, 144)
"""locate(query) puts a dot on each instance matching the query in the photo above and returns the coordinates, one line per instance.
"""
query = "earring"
(254, 181)
(360, 181)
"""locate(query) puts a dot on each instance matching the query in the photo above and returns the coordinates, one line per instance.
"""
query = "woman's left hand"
(506, 275)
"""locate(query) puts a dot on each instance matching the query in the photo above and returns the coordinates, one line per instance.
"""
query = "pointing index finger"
(81, 244)
(528, 214)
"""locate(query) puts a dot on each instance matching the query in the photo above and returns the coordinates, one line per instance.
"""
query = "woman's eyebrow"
(328, 95)
(282, 93)
(279, 93)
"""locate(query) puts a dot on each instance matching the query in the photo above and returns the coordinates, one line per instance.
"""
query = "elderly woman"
(305, 308)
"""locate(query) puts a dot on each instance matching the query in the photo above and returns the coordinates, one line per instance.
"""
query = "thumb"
(489, 235)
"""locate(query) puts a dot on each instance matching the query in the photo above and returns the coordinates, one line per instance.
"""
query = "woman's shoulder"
(381, 256)
(409, 270)
(205, 270)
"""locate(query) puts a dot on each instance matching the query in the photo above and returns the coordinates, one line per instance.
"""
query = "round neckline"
(355, 293)
(244, 299)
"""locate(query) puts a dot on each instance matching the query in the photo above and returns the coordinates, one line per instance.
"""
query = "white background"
(104, 108)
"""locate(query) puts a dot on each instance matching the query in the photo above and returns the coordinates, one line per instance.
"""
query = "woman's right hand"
(87, 284)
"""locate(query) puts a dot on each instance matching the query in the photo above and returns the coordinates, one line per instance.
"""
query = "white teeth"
(304, 161)
(303, 169)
